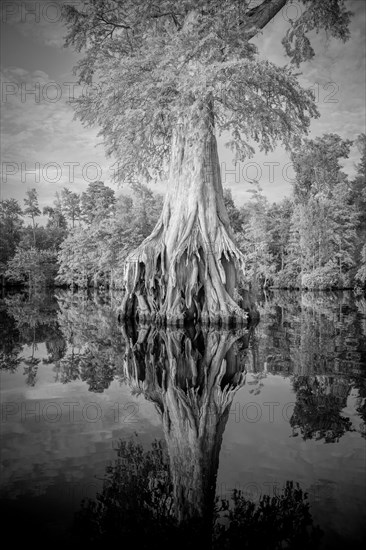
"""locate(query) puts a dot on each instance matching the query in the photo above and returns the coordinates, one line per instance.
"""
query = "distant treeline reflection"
(317, 339)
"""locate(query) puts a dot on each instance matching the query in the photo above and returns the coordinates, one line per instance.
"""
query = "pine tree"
(255, 240)
(32, 209)
(70, 205)
(96, 202)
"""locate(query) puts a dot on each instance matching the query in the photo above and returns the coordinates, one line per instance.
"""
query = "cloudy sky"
(43, 147)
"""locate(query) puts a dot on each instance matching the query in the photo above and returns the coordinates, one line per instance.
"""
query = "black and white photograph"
(183, 274)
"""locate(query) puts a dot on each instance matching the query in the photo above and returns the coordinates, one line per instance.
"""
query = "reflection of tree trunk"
(33, 342)
(192, 379)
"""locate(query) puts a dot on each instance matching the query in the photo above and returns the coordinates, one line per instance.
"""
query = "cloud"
(40, 20)
(38, 126)
(43, 146)
(336, 75)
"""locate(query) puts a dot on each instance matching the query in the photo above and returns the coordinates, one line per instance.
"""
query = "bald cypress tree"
(167, 78)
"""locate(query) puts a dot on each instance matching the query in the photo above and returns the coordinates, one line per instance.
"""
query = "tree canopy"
(151, 65)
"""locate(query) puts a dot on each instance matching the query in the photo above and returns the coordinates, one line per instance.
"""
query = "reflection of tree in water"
(32, 321)
(312, 334)
(316, 339)
(137, 504)
(192, 377)
(360, 385)
(318, 409)
(361, 307)
(10, 345)
(294, 338)
(162, 497)
(96, 344)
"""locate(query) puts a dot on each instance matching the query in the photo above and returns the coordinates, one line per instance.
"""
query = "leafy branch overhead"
(150, 66)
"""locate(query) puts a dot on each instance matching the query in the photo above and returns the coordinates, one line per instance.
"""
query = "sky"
(43, 146)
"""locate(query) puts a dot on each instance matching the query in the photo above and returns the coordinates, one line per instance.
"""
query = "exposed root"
(194, 284)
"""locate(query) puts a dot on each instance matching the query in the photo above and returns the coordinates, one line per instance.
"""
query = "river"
(249, 410)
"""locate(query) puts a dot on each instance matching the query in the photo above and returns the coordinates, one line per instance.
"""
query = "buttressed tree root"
(187, 269)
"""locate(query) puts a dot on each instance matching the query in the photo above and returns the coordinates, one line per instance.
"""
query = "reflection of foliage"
(10, 360)
(301, 334)
(35, 320)
(280, 521)
(360, 384)
(96, 370)
(314, 336)
(68, 369)
(319, 403)
(311, 334)
(137, 503)
(361, 307)
(32, 312)
(10, 347)
(35, 267)
(90, 327)
(31, 369)
(55, 345)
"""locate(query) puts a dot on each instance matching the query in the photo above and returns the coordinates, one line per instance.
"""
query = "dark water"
(247, 410)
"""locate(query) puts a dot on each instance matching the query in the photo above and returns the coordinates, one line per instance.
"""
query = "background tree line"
(314, 239)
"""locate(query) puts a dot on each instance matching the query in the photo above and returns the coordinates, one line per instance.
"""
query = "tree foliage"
(32, 209)
(312, 239)
(94, 254)
(70, 205)
(36, 268)
(97, 202)
(10, 230)
(153, 65)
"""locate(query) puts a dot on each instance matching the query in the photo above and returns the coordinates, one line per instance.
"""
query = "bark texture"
(187, 269)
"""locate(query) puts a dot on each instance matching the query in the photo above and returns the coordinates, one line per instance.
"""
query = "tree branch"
(112, 23)
(257, 18)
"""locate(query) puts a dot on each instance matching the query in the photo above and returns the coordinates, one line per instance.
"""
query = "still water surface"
(247, 410)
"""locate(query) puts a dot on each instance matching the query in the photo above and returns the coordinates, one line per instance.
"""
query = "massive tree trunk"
(187, 269)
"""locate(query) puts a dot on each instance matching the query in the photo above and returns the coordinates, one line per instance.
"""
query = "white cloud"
(44, 131)
(41, 139)
(40, 20)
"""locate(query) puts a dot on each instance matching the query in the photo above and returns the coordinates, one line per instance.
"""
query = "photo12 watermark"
(38, 11)
(68, 412)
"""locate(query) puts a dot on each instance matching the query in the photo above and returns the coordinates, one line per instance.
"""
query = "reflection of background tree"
(95, 342)
(301, 335)
(318, 409)
(316, 339)
(169, 497)
(312, 333)
(31, 320)
(10, 345)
